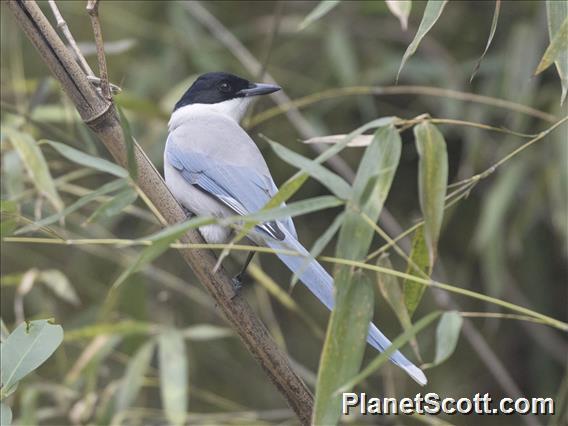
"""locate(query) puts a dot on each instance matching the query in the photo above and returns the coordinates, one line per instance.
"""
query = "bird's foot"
(237, 285)
(188, 213)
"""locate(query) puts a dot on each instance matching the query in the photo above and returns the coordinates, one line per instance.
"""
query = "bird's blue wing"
(241, 189)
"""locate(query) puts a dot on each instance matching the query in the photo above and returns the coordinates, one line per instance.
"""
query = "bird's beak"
(256, 89)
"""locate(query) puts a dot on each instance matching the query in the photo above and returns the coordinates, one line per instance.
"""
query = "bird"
(213, 168)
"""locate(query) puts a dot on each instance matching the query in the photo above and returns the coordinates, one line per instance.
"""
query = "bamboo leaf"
(557, 12)
(489, 40)
(35, 164)
(160, 243)
(447, 335)
(117, 328)
(397, 343)
(319, 245)
(433, 11)
(26, 348)
(105, 189)
(344, 346)
(557, 46)
(348, 326)
(419, 265)
(205, 332)
(330, 180)
(115, 205)
(432, 181)
(87, 160)
(391, 291)
(134, 376)
(8, 217)
(361, 140)
(370, 189)
(5, 415)
(400, 9)
(173, 376)
(57, 282)
(293, 209)
(323, 8)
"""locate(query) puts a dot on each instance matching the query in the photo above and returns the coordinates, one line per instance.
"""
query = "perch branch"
(99, 114)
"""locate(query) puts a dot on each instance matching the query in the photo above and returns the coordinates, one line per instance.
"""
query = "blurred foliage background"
(507, 239)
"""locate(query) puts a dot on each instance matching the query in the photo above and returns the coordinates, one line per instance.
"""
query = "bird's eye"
(225, 87)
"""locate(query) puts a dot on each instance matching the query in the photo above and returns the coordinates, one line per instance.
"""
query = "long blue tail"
(320, 283)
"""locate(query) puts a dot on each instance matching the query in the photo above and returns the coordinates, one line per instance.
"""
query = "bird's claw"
(237, 286)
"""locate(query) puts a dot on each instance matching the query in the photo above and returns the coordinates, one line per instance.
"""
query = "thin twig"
(93, 10)
(299, 103)
(62, 25)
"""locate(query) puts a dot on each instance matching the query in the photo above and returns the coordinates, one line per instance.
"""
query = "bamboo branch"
(99, 114)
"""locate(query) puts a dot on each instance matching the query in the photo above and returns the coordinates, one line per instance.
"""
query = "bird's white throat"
(233, 108)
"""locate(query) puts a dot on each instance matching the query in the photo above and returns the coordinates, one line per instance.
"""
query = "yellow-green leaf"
(323, 8)
(35, 164)
(557, 45)
(490, 38)
(400, 9)
(418, 266)
(391, 290)
(344, 345)
(134, 376)
(557, 12)
(447, 335)
(173, 376)
(433, 11)
(432, 181)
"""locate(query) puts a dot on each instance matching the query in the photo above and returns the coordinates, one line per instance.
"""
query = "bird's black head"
(216, 87)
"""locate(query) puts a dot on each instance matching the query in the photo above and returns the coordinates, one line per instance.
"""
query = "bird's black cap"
(216, 87)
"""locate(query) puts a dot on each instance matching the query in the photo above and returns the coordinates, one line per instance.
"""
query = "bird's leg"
(188, 213)
(238, 279)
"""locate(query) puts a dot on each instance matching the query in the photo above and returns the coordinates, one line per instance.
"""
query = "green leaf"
(173, 376)
(12, 173)
(344, 346)
(160, 243)
(205, 332)
(432, 12)
(432, 181)
(557, 12)
(8, 217)
(557, 46)
(35, 164)
(26, 348)
(115, 205)
(323, 7)
(419, 266)
(330, 180)
(5, 415)
(319, 245)
(400, 9)
(83, 159)
(57, 282)
(397, 343)
(498, 201)
(134, 376)
(370, 189)
(391, 291)
(489, 40)
(130, 145)
(447, 335)
(105, 189)
(293, 209)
